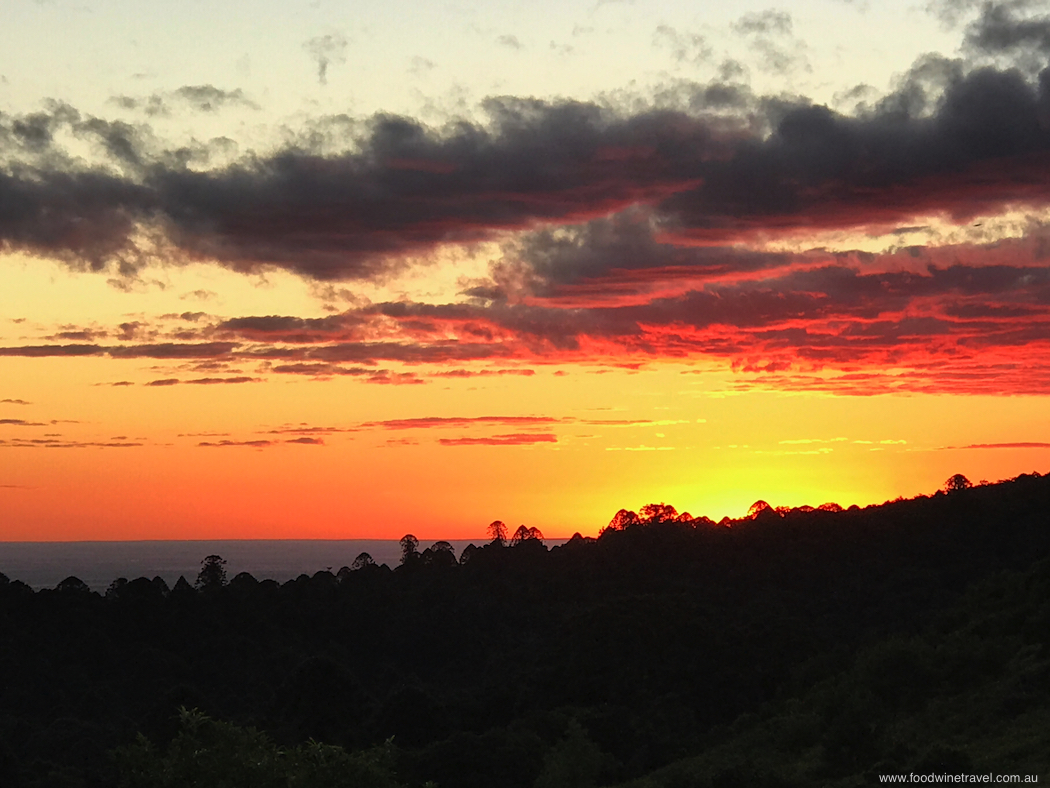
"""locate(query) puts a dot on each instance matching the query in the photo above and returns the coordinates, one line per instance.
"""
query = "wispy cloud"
(513, 439)
(1015, 445)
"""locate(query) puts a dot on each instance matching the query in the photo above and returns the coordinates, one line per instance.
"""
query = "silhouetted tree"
(622, 519)
(212, 574)
(409, 548)
(182, 586)
(113, 592)
(830, 507)
(758, 509)
(363, 561)
(243, 580)
(956, 483)
(658, 513)
(525, 534)
(497, 532)
(440, 554)
(73, 585)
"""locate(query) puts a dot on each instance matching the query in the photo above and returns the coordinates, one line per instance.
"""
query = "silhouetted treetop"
(409, 548)
(956, 483)
(497, 531)
(758, 509)
(212, 574)
(243, 580)
(362, 561)
(658, 513)
(524, 534)
(622, 519)
(73, 585)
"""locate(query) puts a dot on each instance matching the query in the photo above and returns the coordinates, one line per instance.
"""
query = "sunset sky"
(350, 270)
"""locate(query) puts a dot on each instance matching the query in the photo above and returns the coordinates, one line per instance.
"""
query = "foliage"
(362, 561)
(409, 548)
(212, 574)
(497, 532)
(211, 754)
(956, 483)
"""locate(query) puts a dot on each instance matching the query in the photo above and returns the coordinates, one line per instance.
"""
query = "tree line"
(661, 652)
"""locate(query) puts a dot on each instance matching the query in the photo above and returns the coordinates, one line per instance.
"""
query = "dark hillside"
(624, 653)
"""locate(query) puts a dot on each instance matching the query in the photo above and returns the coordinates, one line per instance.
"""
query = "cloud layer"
(685, 227)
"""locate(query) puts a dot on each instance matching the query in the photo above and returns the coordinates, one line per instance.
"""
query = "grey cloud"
(509, 41)
(685, 47)
(626, 242)
(768, 22)
(207, 98)
(199, 98)
(326, 50)
(951, 12)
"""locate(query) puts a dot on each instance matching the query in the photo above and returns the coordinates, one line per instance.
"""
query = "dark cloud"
(306, 429)
(164, 382)
(514, 439)
(320, 370)
(482, 373)
(261, 443)
(21, 423)
(13, 402)
(172, 350)
(949, 141)
(257, 444)
(386, 377)
(207, 98)
(276, 328)
(431, 422)
(62, 443)
(624, 243)
(200, 98)
(215, 381)
(1024, 445)
(1005, 28)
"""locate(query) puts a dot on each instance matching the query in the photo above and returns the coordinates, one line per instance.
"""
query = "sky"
(352, 270)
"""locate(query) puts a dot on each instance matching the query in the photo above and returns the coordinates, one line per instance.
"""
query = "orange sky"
(748, 275)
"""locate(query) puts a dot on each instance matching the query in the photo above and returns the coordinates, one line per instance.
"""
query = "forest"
(792, 647)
